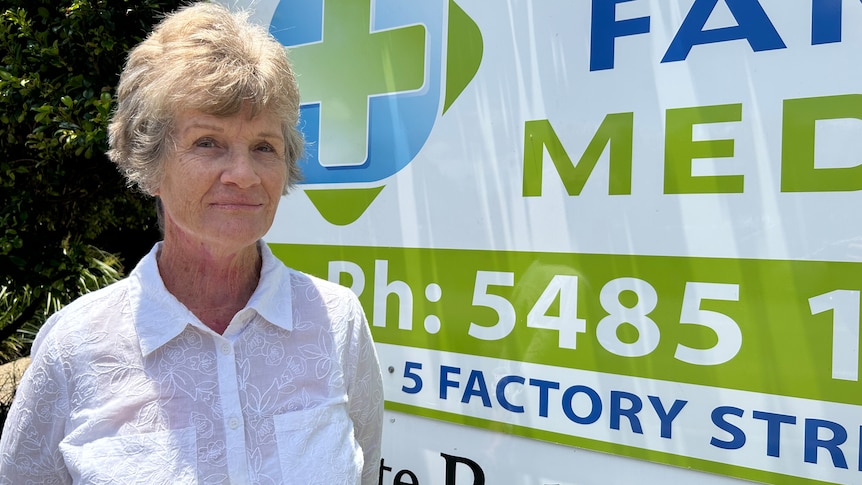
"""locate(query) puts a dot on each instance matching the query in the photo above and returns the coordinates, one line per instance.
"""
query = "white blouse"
(127, 386)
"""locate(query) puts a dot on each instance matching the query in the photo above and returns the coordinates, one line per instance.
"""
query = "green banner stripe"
(784, 347)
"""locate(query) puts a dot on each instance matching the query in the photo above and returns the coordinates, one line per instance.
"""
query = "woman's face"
(223, 182)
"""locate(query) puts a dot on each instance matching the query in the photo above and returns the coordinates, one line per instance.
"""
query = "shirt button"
(233, 423)
(225, 348)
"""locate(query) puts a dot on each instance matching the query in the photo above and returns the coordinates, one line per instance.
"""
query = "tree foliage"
(67, 219)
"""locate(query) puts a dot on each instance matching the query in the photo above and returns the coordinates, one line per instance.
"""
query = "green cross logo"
(350, 65)
(374, 77)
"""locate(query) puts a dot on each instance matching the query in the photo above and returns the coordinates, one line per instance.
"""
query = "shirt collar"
(273, 297)
(160, 317)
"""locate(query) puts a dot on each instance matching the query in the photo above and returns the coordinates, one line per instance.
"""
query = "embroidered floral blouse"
(127, 386)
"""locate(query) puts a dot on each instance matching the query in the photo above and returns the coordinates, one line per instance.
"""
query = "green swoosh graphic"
(463, 53)
(342, 206)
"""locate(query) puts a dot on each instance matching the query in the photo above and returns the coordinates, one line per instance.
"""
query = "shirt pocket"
(150, 458)
(317, 446)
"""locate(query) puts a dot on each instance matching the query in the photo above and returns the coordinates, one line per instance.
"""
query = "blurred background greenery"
(68, 223)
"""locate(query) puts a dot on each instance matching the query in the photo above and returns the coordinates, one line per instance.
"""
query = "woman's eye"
(205, 143)
(266, 148)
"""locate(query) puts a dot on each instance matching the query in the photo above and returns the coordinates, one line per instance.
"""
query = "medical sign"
(624, 227)
(372, 88)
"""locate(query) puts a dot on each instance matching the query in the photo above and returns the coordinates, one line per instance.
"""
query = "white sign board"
(597, 240)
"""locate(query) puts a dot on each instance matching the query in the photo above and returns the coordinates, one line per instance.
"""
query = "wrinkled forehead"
(263, 124)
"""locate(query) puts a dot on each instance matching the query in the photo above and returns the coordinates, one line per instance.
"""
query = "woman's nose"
(241, 170)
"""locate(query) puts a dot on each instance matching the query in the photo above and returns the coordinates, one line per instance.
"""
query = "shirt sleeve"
(365, 393)
(34, 427)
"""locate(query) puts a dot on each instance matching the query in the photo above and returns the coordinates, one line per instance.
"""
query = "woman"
(212, 362)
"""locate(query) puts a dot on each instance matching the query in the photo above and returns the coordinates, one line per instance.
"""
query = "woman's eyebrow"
(270, 134)
(202, 125)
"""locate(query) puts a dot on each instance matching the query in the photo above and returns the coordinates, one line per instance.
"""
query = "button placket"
(233, 421)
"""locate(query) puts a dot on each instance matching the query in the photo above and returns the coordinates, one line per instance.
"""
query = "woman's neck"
(213, 286)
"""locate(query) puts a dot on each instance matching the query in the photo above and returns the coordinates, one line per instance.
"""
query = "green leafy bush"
(67, 220)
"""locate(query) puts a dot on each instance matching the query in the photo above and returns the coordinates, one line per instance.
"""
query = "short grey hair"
(202, 57)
